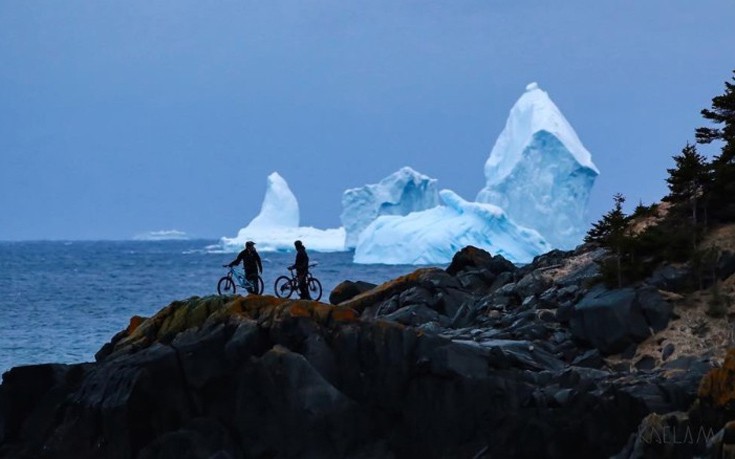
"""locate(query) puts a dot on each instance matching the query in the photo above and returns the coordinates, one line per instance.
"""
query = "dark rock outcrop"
(478, 271)
(612, 320)
(474, 258)
(671, 278)
(347, 290)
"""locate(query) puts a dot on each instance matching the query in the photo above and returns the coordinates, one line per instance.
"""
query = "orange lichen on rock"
(135, 322)
(170, 320)
(388, 289)
(342, 314)
(252, 306)
(299, 309)
(194, 312)
(267, 309)
(321, 313)
(719, 384)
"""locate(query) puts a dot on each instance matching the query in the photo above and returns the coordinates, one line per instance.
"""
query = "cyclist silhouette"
(251, 263)
(302, 269)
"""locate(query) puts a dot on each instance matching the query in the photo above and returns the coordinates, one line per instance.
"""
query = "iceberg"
(433, 236)
(400, 193)
(539, 172)
(276, 227)
(162, 235)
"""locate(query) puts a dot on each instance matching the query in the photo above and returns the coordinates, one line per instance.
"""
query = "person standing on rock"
(302, 270)
(251, 263)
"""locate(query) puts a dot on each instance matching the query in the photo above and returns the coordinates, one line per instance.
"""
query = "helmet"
(298, 244)
(249, 244)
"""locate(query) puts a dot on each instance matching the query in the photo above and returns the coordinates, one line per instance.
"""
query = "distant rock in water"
(276, 227)
(163, 235)
(401, 193)
(539, 172)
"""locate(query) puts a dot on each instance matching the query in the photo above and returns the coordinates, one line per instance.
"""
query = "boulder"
(532, 283)
(347, 290)
(612, 320)
(552, 258)
(581, 273)
(469, 257)
(655, 308)
(472, 257)
(669, 277)
(475, 279)
(591, 358)
(417, 314)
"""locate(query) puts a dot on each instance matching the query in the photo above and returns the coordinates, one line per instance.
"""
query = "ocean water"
(61, 301)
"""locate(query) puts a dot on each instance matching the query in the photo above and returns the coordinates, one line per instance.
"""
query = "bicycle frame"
(239, 279)
(295, 277)
(285, 286)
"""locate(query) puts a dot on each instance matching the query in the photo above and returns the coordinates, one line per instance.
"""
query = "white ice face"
(279, 209)
(276, 227)
(400, 193)
(539, 172)
(282, 239)
(433, 236)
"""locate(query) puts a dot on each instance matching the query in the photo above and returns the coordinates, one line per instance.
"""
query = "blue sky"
(118, 118)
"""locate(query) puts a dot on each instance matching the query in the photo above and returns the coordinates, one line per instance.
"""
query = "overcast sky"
(121, 117)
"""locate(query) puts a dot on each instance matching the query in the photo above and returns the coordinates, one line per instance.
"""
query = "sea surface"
(61, 301)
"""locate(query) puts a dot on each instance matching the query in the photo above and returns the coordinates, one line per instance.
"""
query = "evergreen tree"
(640, 210)
(722, 113)
(689, 183)
(610, 232)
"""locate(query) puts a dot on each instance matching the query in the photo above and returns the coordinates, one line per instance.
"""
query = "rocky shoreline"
(483, 359)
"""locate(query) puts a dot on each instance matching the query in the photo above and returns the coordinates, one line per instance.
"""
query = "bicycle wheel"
(226, 286)
(283, 287)
(261, 286)
(315, 289)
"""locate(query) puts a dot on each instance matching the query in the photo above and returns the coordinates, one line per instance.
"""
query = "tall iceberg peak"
(276, 227)
(280, 207)
(533, 112)
(539, 172)
(400, 193)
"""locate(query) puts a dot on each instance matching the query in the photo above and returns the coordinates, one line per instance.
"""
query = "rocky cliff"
(482, 359)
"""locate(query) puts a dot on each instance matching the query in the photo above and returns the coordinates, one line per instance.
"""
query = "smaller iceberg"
(401, 193)
(162, 235)
(433, 236)
(276, 227)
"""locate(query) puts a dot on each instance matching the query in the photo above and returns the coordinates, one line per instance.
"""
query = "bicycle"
(227, 283)
(285, 286)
